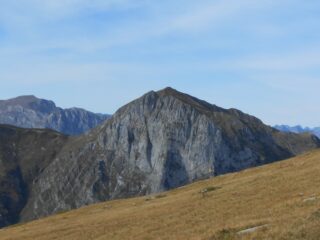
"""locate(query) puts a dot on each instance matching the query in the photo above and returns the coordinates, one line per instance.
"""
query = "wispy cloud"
(28, 16)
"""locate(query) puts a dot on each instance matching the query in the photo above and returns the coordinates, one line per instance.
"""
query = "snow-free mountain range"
(160, 141)
(299, 129)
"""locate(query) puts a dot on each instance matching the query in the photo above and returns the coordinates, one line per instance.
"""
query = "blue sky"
(258, 56)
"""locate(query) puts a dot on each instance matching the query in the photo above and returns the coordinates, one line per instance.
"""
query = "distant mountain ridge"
(32, 112)
(298, 129)
(160, 141)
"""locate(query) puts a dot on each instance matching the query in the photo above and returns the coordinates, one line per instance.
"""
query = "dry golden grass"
(273, 195)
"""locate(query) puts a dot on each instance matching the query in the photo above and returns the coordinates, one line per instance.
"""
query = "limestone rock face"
(31, 112)
(160, 141)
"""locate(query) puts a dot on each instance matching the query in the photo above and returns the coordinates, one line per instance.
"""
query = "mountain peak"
(169, 91)
(24, 99)
(200, 105)
(31, 97)
(29, 102)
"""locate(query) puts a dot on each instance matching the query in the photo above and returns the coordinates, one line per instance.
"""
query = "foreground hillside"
(283, 198)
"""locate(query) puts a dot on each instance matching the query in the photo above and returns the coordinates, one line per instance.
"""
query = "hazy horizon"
(257, 56)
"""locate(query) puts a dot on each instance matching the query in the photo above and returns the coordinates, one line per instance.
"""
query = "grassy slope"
(274, 194)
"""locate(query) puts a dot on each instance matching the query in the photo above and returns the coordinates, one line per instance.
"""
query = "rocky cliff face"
(160, 141)
(31, 112)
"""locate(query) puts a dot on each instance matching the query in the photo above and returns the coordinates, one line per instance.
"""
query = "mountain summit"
(160, 141)
(32, 112)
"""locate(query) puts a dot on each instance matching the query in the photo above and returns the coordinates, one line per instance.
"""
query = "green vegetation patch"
(206, 190)
(316, 215)
(212, 188)
(155, 197)
(160, 196)
(225, 234)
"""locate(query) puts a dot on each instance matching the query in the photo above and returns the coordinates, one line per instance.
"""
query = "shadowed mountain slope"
(24, 154)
